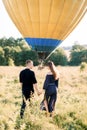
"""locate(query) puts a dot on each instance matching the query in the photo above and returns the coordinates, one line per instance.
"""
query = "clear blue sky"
(8, 29)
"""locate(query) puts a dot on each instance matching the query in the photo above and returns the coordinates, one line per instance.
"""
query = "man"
(29, 83)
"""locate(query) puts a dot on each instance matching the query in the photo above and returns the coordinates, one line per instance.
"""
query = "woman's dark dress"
(51, 99)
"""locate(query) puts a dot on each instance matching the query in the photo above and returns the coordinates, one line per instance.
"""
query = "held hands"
(39, 92)
(36, 88)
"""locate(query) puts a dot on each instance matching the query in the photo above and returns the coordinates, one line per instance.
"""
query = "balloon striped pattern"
(45, 23)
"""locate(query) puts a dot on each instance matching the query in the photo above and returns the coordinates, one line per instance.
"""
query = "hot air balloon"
(45, 23)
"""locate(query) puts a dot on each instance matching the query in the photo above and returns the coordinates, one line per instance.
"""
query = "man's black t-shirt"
(27, 78)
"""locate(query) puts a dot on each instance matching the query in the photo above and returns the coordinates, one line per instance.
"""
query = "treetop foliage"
(78, 55)
(17, 51)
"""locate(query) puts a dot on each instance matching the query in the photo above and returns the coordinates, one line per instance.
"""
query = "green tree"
(3, 42)
(77, 47)
(84, 55)
(58, 57)
(24, 55)
(78, 55)
(2, 58)
(75, 58)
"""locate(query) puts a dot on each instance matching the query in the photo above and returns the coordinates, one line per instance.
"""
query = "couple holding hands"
(29, 84)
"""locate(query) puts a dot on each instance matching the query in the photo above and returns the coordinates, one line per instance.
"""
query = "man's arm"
(35, 87)
(21, 84)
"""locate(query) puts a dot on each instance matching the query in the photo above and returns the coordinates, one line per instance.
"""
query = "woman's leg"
(46, 97)
(46, 105)
(51, 105)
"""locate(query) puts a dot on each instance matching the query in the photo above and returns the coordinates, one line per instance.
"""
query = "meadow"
(71, 105)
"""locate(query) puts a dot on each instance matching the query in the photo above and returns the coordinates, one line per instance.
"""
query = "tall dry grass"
(71, 105)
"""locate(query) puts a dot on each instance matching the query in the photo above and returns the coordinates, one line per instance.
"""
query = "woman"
(50, 96)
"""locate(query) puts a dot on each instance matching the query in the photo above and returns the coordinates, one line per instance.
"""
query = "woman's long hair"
(53, 69)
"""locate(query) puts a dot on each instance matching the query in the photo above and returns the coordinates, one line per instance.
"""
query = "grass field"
(71, 105)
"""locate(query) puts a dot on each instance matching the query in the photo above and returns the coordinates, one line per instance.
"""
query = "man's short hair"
(28, 61)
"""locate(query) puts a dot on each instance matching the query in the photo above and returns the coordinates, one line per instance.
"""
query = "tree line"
(17, 51)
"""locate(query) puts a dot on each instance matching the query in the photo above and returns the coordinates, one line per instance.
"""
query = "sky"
(8, 29)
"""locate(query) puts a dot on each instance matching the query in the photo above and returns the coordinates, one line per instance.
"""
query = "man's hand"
(38, 92)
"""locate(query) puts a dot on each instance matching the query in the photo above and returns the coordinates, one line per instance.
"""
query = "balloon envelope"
(45, 23)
